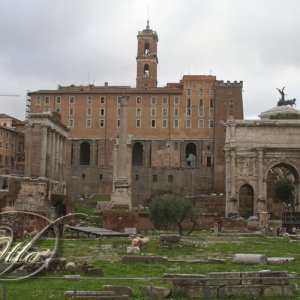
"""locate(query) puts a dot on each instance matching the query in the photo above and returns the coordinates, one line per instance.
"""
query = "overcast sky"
(49, 42)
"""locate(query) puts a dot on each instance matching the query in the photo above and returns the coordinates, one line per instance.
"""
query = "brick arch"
(138, 154)
(85, 153)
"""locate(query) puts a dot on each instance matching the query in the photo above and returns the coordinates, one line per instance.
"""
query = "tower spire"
(148, 26)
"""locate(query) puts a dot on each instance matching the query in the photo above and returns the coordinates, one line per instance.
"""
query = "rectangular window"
(189, 92)
(138, 123)
(188, 102)
(164, 123)
(101, 123)
(138, 100)
(58, 100)
(47, 100)
(201, 92)
(154, 178)
(71, 111)
(188, 112)
(102, 99)
(118, 123)
(138, 112)
(176, 123)
(89, 112)
(200, 123)
(201, 108)
(102, 111)
(211, 123)
(88, 123)
(153, 123)
(57, 110)
(153, 112)
(176, 112)
(89, 100)
(71, 123)
(176, 100)
(118, 112)
(211, 107)
(176, 146)
(211, 93)
(153, 100)
(38, 100)
(72, 100)
(188, 123)
(164, 112)
(165, 100)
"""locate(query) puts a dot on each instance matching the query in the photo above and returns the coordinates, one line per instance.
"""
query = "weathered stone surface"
(169, 238)
(281, 260)
(278, 290)
(118, 289)
(192, 291)
(250, 259)
(250, 278)
(56, 264)
(274, 277)
(223, 278)
(143, 259)
(153, 291)
(185, 279)
(133, 249)
(217, 260)
(189, 261)
(239, 290)
(70, 266)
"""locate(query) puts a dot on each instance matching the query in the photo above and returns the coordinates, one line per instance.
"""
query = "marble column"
(43, 160)
(261, 201)
(52, 169)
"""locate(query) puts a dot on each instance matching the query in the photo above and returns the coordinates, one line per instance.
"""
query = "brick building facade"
(177, 138)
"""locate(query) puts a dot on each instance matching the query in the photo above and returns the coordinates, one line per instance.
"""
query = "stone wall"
(228, 284)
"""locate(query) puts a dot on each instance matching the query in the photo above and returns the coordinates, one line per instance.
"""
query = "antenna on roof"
(148, 26)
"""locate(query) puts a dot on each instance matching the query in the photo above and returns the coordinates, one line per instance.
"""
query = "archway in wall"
(274, 205)
(137, 154)
(246, 201)
(190, 154)
(85, 153)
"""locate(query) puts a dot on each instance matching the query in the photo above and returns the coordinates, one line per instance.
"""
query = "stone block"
(239, 290)
(169, 238)
(133, 249)
(94, 271)
(118, 289)
(194, 291)
(281, 260)
(217, 260)
(250, 278)
(185, 279)
(274, 277)
(223, 278)
(279, 290)
(250, 259)
(154, 291)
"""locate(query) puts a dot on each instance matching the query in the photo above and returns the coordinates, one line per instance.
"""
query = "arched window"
(146, 70)
(137, 154)
(85, 153)
(191, 154)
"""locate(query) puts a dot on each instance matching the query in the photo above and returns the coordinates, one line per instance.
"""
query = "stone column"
(53, 141)
(233, 196)
(261, 201)
(56, 167)
(227, 181)
(28, 147)
(122, 192)
(43, 160)
(49, 145)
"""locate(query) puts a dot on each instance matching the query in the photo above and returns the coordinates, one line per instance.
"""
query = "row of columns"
(52, 154)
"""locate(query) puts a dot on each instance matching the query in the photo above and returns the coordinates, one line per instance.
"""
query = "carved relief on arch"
(246, 167)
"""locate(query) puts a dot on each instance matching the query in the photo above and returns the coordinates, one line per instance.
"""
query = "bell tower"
(146, 75)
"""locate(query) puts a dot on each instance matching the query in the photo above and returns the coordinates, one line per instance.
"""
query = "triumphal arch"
(257, 153)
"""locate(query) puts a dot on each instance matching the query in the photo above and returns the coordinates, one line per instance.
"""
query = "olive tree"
(169, 210)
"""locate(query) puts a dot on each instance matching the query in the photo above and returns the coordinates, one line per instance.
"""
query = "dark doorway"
(138, 154)
(85, 153)
(246, 201)
(190, 154)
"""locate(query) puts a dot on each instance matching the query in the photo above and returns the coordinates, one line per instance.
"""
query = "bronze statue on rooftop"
(282, 100)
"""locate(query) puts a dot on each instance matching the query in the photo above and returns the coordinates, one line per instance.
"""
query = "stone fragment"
(94, 271)
(239, 290)
(144, 259)
(250, 259)
(169, 238)
(250, 278)
(154, 291)
(70, 266)
(133, 249)
(279, 290)
(185, 279)
(118, 289)
(274, 277)
(281, 260)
